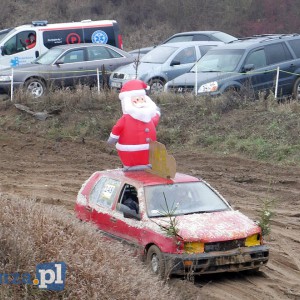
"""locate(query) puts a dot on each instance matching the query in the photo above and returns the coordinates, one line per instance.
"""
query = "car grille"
(181, 89)
(118, 75)
(224, 246)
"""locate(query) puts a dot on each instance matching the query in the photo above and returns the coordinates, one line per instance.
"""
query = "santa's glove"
(158, 110)
(112, 141)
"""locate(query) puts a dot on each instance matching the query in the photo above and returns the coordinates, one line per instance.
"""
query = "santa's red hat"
(134, 87)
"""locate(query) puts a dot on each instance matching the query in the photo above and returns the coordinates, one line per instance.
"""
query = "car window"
(159, 54)
(277, 53)
(224, 37)
(204, 49)
(4, 32)
(128, 199)
(219, 61)
(186, 56)
(257, 58)
(201, 37)
(48, 57)
(17, 43)
(104, 192)
(295, 45)
(73, 56)
(182, 38)
(182, 198)
(98, 53)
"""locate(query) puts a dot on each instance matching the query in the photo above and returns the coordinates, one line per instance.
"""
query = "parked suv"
(250, 62)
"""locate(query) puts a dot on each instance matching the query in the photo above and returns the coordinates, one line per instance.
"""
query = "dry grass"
(237, 124)
(33, 233)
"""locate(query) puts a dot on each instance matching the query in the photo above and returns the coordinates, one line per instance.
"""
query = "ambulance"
(14, 50)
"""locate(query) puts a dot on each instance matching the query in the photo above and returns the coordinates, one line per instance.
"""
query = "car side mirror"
(59, 62)
(248, 68)
(175, 63)
(3, 50)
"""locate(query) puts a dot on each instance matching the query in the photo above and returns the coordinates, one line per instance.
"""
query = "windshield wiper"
(211, 71)
(205, 211)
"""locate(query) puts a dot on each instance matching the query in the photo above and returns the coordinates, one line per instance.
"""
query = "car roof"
(196, 32)
(146, 178)
(71, 46)
(254, 41)
(191, 43)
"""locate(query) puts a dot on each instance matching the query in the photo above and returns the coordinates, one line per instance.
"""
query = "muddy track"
(52, 172)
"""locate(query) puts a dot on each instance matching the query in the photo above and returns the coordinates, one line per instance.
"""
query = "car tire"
(156, 261)
(296, 89)
(156, 85)
(36, 87)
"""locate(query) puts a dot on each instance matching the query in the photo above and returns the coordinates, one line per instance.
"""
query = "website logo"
(99, 37)
(51, 276)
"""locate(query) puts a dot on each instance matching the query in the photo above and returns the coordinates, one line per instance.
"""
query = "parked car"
(207, 235)
(188, 37)
(161, 64)
(65, 66)
(243, 64)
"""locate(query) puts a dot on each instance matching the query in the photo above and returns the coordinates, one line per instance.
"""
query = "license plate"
(116, 84)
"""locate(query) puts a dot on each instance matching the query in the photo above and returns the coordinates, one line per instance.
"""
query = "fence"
(103, 72)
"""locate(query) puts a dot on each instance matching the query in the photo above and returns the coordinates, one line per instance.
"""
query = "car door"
(181, 62)
(70, 68)
(105, 60)
(100, 202)
(127, 223)
(256, 73)
(278, 55)
(15, 52)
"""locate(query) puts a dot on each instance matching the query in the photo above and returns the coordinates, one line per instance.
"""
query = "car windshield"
(48, 57)
(4, 32)
(219, 61)
(158, 55)
(181, 199)
(224, 37)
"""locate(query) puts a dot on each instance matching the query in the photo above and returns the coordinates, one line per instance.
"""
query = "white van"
(14, 42)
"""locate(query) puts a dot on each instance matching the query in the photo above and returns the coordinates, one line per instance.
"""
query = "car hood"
(203, 77)
(142, 51)
(143, 68)
(212, 227)
(21, 68)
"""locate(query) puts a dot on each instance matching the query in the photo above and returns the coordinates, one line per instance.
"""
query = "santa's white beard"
(144, 114)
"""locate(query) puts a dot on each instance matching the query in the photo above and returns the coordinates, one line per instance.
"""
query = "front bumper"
(236, 260)
(6, 86)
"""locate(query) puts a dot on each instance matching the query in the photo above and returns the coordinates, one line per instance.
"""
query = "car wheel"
(36, 87)
(155, 260)
(156, 85)
(296, 89)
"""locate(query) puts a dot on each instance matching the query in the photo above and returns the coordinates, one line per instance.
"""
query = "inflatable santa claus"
(137, 127)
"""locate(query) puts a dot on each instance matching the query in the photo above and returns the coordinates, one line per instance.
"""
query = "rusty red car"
(180, 225)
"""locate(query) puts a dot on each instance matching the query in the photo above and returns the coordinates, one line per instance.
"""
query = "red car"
(180, 225)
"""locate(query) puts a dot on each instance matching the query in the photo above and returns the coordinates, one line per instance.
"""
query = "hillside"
(144, 23)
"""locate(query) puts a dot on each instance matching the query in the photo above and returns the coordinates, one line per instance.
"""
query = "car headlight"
(208, 87)
(129, 76)
(252, 240)
(193, 247)
(5, 78)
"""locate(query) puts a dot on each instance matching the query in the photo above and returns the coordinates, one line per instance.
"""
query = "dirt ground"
(53, 171)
